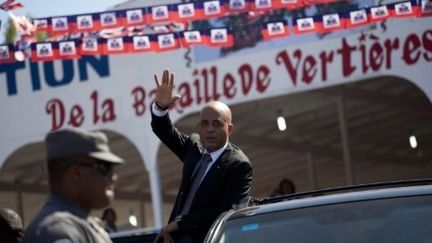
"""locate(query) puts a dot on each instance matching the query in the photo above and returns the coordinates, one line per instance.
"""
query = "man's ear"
(75, 172)
(230, 128)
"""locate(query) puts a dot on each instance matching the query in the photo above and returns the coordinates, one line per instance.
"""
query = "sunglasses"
(104, 168)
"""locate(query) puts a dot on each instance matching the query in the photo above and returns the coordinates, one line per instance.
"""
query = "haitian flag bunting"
(41, 24)
(378, 13)
(43, 52)
(135, 17)
(167, 42)
(90, 46)
(111, 19)
(330, 22)
(58, 25)
(7, 54)
(142, 43)
(68, 49)
(273, 30)
(85, 23)
(261, 5)
(212, 9)
(238, 6)
(116, 45)
(191, 37)
(403, 9)
(185, 12)
(220, 37)
(426, 8)
(288, 4)
(157, 14)
(356, 18)
(305, 25)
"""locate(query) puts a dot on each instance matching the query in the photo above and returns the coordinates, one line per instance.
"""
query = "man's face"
(214, 128)
(98, 183)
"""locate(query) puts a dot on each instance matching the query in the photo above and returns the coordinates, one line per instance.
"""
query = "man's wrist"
(161, 107)
(179, 220)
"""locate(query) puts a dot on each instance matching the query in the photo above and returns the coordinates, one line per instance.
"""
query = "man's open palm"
(165, 97)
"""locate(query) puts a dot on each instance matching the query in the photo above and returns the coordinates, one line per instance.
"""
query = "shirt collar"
(59, 202)
(215, 154)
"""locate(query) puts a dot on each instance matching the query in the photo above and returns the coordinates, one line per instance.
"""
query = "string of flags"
(117, 37)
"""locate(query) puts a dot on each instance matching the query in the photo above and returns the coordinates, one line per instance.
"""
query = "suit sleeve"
(237, 187)
(170, 135)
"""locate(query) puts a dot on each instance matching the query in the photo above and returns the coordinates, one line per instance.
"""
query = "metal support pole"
(345, 142)
(311, 169)
(19, 200)
(156, 196)
(142, 212)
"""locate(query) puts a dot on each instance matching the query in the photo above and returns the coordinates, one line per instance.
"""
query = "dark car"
(396, 212)
(400, 212)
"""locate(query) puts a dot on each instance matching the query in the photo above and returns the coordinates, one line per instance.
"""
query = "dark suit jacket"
(226, 183)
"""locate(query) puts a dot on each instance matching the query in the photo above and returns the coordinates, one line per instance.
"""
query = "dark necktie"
(197, 177)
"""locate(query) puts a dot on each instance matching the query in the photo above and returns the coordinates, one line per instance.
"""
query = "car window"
(406, 219)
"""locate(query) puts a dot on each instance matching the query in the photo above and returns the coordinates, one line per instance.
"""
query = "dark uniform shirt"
(61, 222)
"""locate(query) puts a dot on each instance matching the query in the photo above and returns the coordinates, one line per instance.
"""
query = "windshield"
(393, 220)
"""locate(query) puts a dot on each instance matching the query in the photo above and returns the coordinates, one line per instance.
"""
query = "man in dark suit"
(216, 174)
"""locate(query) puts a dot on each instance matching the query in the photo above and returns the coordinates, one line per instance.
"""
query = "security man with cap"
(80, 171)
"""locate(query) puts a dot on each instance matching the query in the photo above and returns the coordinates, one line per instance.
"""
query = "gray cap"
(73, 142)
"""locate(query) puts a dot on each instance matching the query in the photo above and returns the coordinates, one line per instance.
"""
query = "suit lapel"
(214, 170)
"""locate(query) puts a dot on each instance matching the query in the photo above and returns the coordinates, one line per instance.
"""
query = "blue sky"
(46, 8)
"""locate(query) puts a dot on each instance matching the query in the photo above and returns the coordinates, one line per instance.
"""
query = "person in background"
(286, 186)
(109, 218)
(11, 227)
(216, 173)
(81, 178)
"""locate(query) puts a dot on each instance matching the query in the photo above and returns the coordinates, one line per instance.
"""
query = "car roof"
(296, 201)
